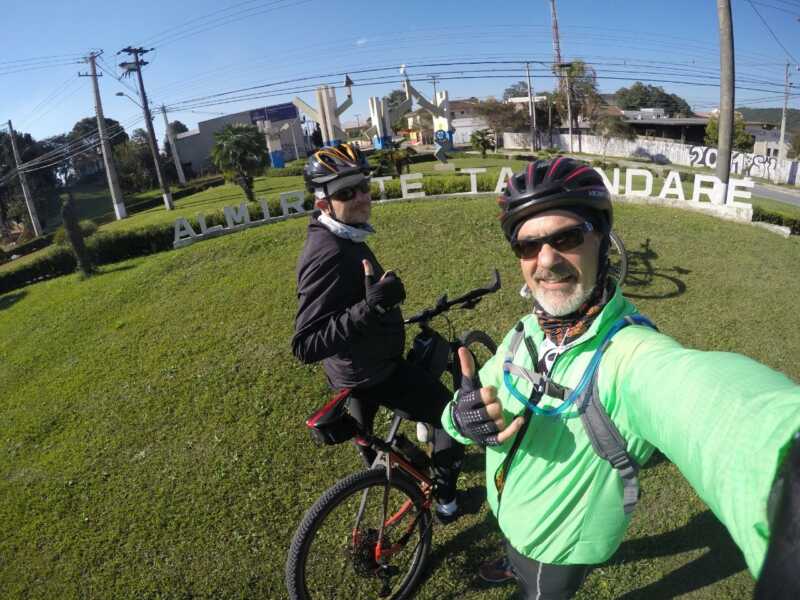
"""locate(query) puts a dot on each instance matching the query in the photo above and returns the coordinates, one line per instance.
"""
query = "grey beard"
(566, 305)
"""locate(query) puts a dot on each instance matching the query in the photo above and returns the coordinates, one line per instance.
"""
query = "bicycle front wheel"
(333, 553)
(618, 259)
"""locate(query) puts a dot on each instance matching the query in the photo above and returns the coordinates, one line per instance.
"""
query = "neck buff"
(563, 330)
(354, 233)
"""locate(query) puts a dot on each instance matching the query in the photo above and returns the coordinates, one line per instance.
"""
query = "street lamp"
(129, 98)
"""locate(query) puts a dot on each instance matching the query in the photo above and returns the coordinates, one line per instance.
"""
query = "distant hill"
(772, 115)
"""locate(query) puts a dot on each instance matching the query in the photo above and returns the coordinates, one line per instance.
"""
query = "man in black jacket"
(349, 314)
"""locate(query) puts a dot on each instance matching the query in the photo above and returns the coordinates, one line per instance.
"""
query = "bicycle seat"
(332, 424)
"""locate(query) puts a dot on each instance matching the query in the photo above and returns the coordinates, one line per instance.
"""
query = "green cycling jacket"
(725, 420)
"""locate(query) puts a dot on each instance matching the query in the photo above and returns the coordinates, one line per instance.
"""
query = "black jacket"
(334, 324)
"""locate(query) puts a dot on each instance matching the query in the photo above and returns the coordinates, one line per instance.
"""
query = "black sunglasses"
(348, 193)
(562, 241)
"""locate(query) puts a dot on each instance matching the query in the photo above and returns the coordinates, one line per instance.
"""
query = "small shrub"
(88, 228)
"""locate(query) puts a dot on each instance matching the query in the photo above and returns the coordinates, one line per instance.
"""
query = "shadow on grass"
(471, 544)
(721, 560)
(9, 300)
(647, 281)
(656, 459)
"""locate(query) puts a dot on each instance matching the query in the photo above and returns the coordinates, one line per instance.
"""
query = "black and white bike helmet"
(334, 168)
(549, 185)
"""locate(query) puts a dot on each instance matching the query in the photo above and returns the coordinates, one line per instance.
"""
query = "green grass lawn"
(153, 443)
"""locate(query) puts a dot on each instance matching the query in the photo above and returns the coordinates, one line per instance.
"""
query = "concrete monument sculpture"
(328, 112)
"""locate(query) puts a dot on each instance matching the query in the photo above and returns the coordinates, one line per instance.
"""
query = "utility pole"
(781, 147)
(568, 91)
(435, 101)
(137, 65)
(531, 110)
(105, 146)
(726, 83)
(173, 147)
(556, 41)
(23, 180)
(550, 118)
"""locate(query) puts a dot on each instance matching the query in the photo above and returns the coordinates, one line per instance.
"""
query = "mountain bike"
(369, 535)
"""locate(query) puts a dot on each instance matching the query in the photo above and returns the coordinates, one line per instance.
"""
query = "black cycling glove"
(470, 416)
(382, 296)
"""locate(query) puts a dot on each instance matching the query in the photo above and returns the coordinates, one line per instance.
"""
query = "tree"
(134, 166)
(41, 181)
(501, 116)
(585, 100)
(612, 126)
(482, 139)
(393, 159)
(140, 136)
(87, 128)
(742, 140)
(516, 90)
(794, 151)
(239, 151)
(177, 127)
(640, 96)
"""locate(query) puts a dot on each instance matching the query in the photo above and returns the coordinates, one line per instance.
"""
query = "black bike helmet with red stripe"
(335, 167)
(561, 183)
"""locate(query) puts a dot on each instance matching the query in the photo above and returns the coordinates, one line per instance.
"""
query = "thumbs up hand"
(382, 296)
(477, 412)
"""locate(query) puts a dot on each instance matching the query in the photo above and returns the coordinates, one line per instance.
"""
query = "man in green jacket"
(583, 389)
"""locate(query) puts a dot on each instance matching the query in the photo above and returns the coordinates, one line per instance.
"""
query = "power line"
(772, 33)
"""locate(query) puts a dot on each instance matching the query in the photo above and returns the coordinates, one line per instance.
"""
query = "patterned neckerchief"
(563, 330)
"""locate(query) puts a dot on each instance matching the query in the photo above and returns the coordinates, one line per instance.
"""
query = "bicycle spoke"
(341, 560)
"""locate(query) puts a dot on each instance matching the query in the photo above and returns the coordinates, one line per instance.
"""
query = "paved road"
(786, 197)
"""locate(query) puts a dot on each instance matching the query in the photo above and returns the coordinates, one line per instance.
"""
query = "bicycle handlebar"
(468, 300)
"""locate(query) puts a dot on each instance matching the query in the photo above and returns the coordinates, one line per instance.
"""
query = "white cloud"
(361, 42)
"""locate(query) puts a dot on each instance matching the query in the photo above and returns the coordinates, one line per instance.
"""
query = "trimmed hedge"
(87, 227)
(793, 223)
(107, 247)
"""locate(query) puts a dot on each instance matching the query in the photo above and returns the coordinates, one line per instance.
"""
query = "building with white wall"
(194, 146)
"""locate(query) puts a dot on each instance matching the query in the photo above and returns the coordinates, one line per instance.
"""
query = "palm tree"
(239, 151)
(482, 139)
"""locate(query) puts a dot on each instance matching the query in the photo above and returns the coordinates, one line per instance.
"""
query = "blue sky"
(208, 47)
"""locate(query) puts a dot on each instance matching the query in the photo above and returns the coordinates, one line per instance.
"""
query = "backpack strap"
(606, 439)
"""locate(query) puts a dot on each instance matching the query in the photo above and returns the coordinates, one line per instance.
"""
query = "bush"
(436, 185)
(290, 170)
(88, 228)
(767, 216)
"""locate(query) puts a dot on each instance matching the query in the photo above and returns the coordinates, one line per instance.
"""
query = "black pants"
(419, 396)
(541, 581)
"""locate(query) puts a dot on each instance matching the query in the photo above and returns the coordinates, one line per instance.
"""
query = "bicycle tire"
(618, 259)
(315, 518)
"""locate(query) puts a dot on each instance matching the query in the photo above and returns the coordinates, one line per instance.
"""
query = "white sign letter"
(648, 186)
(183, 230)
(262, 202)
(714, 193)
(296, 206)
(473, 179)
(379, 181)
(505, 173)
(205, 229)
(734, 193)
(672, 186)
(613, 188)
(405, 186)
(234, 217)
